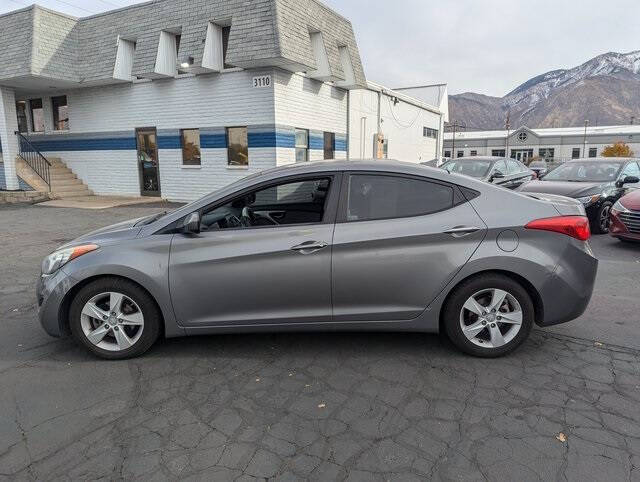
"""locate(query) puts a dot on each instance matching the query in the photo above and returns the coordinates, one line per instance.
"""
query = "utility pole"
(584, 144)
(508, 127)
(453, 144)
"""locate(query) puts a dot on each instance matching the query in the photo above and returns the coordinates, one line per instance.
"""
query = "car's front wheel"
(114, 318)
(488, 315)
(600, 224)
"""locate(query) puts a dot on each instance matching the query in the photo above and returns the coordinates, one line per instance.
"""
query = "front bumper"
(619, 229)
(567, 292)
(50, 294)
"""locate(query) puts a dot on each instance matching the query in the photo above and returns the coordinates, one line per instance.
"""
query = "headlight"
(589, 200)
(58, 259)
(619, 207)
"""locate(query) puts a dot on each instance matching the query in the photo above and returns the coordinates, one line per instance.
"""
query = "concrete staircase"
(64, 183)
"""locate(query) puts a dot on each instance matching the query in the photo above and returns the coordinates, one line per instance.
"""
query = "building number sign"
(261, 81)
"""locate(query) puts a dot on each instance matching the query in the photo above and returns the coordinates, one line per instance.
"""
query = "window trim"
(330, 210)
(191, 164)
(33, 121)
(296, 147)
(341, 218)
(226, 133)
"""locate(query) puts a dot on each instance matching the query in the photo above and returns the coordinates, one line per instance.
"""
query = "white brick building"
(175, 98)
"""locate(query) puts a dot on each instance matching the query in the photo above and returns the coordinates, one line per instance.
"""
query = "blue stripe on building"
(85, 144)
(210, 138)
(316, 142)
(341, 143)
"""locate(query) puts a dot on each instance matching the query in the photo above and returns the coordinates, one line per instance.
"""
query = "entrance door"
(147, 141)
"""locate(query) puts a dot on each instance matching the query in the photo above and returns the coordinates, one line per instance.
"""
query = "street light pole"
(508, 126)
(453, 144)
(584, 143)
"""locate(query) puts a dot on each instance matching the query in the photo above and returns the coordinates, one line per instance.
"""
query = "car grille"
(631, 221)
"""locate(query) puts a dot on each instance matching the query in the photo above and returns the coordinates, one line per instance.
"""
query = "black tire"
(598, 226)
(462, 292)
(149, 308)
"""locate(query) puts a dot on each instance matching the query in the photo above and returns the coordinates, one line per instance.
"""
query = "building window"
(329, 145)
(21, 114)
(474, 153)
(37, 115)
(302, 145)
(498, 153)
(428, 132)
(60, 113)
(447, 154)
(460, 154)
(575, 153)
(238, 146)
(522, 136)
(593, 152)
(225, 45)
(190, 147)
(547, 153)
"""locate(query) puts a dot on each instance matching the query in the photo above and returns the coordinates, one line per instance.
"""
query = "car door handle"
(460, 231)
(309, 247)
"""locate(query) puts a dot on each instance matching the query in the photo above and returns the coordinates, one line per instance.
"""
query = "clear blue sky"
(484, 46)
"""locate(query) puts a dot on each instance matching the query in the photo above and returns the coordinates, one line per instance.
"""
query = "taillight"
(574, 226)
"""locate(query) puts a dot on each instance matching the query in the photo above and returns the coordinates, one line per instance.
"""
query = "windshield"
(594, 171)
(473, 168)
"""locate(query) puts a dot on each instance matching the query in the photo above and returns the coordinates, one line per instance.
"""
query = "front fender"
(144, 261)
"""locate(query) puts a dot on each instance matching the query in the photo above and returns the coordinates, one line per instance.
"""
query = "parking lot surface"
(565, 406)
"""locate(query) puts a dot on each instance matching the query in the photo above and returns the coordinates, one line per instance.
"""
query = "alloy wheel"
(604, 219)
(491, 318)
(112, 321)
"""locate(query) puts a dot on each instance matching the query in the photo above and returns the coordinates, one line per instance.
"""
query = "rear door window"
(501, 167)
(372, 196)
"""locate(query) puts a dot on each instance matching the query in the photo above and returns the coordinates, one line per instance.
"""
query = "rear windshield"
(593, 171)
(474, 168)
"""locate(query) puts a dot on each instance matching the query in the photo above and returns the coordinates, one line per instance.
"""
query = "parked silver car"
(342, 245)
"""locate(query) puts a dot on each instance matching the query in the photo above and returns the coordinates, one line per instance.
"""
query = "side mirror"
(627, 180)
(191, 224)
(497, 175)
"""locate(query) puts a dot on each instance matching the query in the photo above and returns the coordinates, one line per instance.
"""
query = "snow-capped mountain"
(605, 90)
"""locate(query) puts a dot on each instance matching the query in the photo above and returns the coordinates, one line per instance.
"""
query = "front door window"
(148, 162)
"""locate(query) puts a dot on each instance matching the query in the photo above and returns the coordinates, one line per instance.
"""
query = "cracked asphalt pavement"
(361, 406)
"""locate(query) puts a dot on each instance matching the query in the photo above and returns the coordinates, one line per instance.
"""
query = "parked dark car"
(597, 183)
(625, 217)
(501, 171)
(340, 245)
(539, 167)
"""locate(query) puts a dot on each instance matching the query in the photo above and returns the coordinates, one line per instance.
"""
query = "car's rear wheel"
(600, 224)
(114, 319)
(488, 315)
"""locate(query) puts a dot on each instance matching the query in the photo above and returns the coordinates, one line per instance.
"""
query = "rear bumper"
(567, 292)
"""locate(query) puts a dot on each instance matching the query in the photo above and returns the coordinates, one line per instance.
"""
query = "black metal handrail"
(34, 158)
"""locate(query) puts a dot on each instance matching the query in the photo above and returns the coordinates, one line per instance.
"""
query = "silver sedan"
(341, 245)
